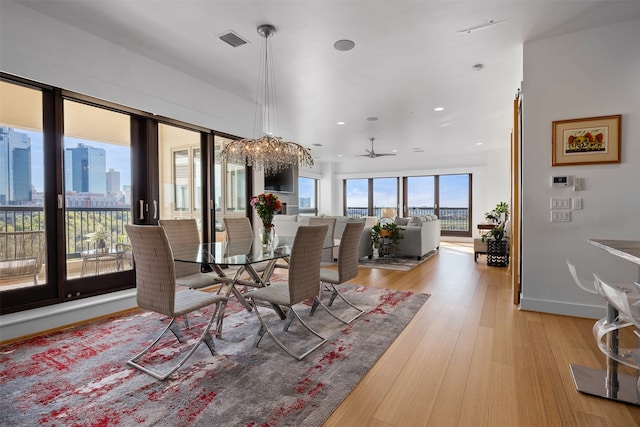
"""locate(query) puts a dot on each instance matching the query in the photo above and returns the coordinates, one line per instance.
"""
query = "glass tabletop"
(240, 252)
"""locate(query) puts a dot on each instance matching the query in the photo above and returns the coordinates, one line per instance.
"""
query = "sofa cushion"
(402, 221)
(415, 220)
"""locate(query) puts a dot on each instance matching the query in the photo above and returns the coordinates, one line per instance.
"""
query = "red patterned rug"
(79, 376)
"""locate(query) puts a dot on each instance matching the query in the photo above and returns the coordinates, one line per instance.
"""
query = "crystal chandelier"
(267, 152)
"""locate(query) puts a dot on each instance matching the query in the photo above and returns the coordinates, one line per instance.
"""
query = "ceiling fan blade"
(384, 154)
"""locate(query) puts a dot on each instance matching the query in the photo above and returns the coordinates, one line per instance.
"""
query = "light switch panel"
(560, 203)
(560, 216)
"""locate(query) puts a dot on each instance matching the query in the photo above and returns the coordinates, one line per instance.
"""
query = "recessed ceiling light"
(418, 150)
(477, 67)
(340, 123)
(438, 109)
(344, 45)
(372, 119)
(394, 151)
(478, 143)
(339, 155)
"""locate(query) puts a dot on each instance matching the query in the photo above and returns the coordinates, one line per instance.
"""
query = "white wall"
(585, 74)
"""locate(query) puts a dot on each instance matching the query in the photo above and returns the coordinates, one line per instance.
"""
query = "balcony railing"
(451, 219)
(79, 222)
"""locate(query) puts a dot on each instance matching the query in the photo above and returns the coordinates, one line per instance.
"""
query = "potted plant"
(386, 238)
(495, 215)
(98, 238)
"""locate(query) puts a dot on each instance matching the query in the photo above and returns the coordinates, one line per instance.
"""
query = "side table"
(100, 257)
(497, 252)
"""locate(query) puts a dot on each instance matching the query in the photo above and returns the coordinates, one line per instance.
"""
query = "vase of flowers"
(266, 205)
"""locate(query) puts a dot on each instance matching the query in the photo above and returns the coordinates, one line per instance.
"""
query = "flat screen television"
(280, 181)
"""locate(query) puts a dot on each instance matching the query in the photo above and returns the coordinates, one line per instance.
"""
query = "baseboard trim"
(30, 322)
(563, 308)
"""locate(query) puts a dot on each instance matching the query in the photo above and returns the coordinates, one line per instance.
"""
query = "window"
(22, 187)
(180, 178)
(230, 196)
(307, 196)
(356, 195)
(371, 197)
(385, 197)
(97, 182)
(447, 196)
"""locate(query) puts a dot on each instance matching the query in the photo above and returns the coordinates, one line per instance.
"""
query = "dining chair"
(156, 291)
(327, 252)
(583, 284)
(302, 284)
(239, 228)
(348, 255)
(622, 311)
(590, 286)
(183, 233)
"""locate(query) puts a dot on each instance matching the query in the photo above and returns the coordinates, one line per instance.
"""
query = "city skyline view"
(116, 156)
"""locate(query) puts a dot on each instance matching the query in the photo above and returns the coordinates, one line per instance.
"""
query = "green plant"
(99, 236)
(496, 213)
(386, 237)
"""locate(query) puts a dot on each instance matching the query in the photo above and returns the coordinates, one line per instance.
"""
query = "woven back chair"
(348, 255)
(183, 234)
(302, 284)
(22, 254)
(327, 252)
(238, 228)
(156, 291)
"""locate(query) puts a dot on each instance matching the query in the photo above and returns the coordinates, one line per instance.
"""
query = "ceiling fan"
(372, 153)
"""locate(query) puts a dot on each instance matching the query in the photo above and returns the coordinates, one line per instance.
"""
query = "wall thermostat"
(560, 181)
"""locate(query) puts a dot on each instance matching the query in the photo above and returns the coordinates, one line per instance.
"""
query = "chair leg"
(291, 313)
(335, 293)
(204, 337)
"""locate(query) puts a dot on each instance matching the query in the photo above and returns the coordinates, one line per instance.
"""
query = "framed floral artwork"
(586, 141)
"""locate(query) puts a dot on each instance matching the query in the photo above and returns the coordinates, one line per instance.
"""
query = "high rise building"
(15, 167)
(113, 181)
(85, 169)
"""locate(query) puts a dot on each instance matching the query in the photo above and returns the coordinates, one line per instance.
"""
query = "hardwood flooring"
(471, 358)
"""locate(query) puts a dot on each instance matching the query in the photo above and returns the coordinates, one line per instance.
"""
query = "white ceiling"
(409, 57)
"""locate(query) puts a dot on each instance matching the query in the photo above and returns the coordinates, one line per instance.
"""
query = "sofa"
(420, 235)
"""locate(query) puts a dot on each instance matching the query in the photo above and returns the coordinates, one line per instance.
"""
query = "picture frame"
(585, 141)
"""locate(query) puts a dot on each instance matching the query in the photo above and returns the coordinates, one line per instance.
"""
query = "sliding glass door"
(23, 220)
(97, 190)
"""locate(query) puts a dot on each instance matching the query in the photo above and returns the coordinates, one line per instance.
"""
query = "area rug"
(399, 263)
(79, 376)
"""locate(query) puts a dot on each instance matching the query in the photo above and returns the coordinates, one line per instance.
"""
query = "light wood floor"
(471, 358)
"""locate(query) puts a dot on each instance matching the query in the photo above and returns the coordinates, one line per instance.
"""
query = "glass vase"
(265, 234)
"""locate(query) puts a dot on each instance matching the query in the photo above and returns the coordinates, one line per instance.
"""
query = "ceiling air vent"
(233, 39)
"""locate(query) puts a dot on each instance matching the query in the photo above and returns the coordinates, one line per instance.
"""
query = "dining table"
(242, 256)
(610, 383)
